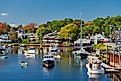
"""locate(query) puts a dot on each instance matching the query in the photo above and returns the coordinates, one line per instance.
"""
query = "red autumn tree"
(30, 28)
(3, 27)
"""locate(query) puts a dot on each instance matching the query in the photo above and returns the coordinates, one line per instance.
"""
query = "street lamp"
(110, 30)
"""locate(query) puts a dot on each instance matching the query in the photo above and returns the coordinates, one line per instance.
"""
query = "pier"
(111, 69)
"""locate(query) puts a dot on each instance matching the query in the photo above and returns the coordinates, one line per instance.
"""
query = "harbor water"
(66, 68)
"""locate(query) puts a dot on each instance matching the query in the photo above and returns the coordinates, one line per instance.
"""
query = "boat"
(54, 50)
(94, 66)
(48, 61)
(3, 56)
(2, 50)
(80, 54)
(30, 53)
(23, 64)
(57, 56)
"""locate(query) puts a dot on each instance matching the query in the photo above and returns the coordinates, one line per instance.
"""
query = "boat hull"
(94, 71)
(24, 64)
(81, 56)
(48, 64)
(3, 57)
(95, 76)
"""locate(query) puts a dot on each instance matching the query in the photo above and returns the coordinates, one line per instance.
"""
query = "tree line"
(68, 27)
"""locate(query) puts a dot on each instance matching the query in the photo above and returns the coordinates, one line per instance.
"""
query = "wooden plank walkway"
(107, 66)
(110, 69)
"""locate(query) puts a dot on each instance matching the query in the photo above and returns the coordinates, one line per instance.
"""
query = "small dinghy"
(3, 57)
(23, 64)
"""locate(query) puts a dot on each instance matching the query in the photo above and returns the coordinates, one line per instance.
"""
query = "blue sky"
(41, 11)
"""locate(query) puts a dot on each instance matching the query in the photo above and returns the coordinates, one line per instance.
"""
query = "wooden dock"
(110, 69)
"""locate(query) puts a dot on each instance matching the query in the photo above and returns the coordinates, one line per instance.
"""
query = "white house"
(86, 43)
(99, 37)
(5, 38)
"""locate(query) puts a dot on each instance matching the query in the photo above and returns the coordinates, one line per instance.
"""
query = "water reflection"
(9, 50)
(3, 63)
(46, 70)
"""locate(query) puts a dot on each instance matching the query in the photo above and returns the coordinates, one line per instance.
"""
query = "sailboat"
(80, 54)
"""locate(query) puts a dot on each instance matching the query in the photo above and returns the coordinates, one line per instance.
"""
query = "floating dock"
(110, 69)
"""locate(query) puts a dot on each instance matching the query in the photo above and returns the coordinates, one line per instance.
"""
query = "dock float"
(110, 69)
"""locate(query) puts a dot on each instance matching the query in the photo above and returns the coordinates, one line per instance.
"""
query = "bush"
(66, 43)
(24, 41)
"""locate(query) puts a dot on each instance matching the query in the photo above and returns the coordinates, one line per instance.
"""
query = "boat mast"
(81, 31)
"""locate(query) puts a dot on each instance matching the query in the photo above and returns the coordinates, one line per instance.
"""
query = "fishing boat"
(94, 66)
(48, 61)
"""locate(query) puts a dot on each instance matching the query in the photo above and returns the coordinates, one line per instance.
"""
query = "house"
(32, 37)
(116, 35)
(5, 38)
(113, 54)
(22, 34)
(52, 38)
(86, 44)
(99, 38)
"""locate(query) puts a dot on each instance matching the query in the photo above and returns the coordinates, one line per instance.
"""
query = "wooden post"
(107, 54)
(113, 57)
(119, 58)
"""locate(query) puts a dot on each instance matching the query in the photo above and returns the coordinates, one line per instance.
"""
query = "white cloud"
(4, 14)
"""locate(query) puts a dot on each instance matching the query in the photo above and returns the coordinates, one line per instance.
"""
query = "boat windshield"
(48, 57)
(54, 50)
(31, 48)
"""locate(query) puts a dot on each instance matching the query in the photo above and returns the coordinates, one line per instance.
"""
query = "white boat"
(57, 56)
(94, 66)
(54, 50)
(23, 64)
(3, 57)
(80, 54)
(48, 61)
(2, 50)
(30, 53)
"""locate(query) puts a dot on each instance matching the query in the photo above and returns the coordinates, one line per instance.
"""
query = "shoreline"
(38, 45)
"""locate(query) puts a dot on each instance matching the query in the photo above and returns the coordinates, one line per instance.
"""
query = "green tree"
(41, 31)
(69, 31)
